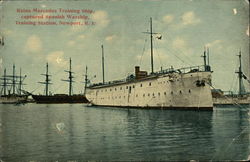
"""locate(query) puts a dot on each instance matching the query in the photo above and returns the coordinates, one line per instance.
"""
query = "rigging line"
(180, 51)
(143, 50)
(173, 53)
(156, 44)
(176, 56)
(232, 84)
(229, 145)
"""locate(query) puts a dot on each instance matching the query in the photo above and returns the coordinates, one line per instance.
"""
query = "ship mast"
(20, 82)
(103, 77)
(70, 78)
(4, 82)
(86, 80)
(14, 79)
(47, 80)
(205, 58)
(240, 76)
(151, 45)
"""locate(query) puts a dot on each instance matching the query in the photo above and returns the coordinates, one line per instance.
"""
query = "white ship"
(186, 88)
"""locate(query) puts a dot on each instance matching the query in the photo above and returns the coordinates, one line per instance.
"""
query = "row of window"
(144, 95)
(127, 87)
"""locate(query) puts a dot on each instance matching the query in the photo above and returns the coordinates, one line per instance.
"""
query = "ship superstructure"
(185, 88)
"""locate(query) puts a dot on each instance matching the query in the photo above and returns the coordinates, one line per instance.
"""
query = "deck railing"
(131, 77)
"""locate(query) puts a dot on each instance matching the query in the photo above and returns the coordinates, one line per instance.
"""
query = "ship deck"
(131, 78)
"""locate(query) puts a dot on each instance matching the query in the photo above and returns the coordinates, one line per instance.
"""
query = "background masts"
(47, 80)
(70, 78)
(103, 77)
(241, 89)
(86, 80)
(14, 79)
(20, 82)
(4, 82)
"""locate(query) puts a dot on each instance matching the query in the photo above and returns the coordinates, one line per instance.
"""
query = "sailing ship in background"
(185, 88)
(11, 91)
(49, 98)
(229, 98)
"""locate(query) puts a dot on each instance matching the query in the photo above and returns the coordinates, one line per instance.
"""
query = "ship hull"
(168, 91)
(59, 99)
(13, 99)
(232, 100)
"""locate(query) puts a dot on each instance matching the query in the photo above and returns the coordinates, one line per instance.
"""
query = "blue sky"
(186, 27)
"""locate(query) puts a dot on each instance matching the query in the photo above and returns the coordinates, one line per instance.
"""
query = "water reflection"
(76, 132)
(231, 133)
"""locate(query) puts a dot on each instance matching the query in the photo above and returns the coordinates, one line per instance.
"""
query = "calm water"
(77, 132)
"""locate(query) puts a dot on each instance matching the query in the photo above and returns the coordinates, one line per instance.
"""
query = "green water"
(77, 132)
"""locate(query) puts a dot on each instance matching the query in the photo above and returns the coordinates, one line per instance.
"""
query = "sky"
(186, 27)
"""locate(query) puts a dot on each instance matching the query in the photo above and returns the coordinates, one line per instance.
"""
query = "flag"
(244, 76)
(159, 37)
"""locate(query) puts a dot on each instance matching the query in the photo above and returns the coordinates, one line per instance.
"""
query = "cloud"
(215, 43)
(71, 43)
(110, 38)
(189, 18)
(168, 19)
(33, 44)
(159, 54)
(179, 43)
(56, 58)
(101, 18)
